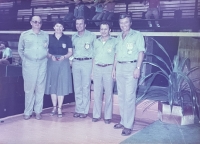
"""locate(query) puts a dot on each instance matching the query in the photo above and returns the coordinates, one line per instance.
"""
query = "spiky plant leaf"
(160, 59)
(163, 49)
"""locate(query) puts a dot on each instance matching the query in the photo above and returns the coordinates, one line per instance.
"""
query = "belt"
(82, 59)
(122, 62)
(104, 65)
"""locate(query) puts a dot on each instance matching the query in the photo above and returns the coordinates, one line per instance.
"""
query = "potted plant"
(181, 90)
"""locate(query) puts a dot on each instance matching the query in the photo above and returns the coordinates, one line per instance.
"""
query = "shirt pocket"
(110, 48)
(43, 43)
(28, 43)
(87, 44)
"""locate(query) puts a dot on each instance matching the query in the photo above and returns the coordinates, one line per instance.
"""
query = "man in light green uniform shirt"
(33, 48)
(82, 42)
(104, 53)
(129, 56)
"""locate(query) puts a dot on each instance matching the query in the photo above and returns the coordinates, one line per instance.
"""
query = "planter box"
(176, 116)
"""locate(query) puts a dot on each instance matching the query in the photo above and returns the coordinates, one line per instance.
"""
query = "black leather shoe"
(95, 119)
(107, 121)
(76, 115)
(83, 116)
(118, 126)
(126, 132)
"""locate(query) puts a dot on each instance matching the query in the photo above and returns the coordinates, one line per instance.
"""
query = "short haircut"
(106, 23)
(81, 18)
(37, 16)
(125, 15)
(58, 21)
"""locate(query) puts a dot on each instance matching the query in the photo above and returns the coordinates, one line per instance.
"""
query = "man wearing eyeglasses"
(129, 56)
(33, 48)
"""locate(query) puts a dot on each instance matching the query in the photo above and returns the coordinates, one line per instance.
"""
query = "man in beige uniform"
(33, 48)
(82, 42)
(129, 56)
(104, 53)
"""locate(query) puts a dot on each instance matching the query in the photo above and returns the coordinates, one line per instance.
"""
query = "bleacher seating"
(169, 7)
(52, 3)
(6, 5)
(5, 9)
(50, 10)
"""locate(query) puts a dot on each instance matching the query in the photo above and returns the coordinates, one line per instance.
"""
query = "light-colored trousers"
(126, 87)
(81, 71)
(34, 74)
(102, 78)
(154, 12)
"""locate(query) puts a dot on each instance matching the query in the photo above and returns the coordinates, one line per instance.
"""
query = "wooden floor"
(70, 130)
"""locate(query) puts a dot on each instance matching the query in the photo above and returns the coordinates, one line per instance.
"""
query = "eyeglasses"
(37, 22)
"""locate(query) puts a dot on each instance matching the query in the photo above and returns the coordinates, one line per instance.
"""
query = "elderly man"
(82, 42)
(33, 49)
(104, 53)
(129, 56)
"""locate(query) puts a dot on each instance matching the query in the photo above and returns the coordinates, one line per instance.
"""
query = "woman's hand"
(53, 58)
(61, 58)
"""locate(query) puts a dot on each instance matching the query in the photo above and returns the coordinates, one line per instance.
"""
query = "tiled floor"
(50, 129)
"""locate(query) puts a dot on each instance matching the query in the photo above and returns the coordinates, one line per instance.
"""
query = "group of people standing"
(46, 69)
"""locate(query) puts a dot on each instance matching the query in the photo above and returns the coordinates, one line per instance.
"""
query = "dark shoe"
(107, 121)
(60, 115)
(76, 115)
(38, 116)
(53, 112)
(83, 116)
(95, 119)
(118, 126)
(26, 117)
(126, 132)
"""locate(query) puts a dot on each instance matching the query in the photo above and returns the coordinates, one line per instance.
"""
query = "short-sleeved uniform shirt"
(7, 52)
(83, 45)
(104, 52)
(33, 46)
(59, 46)
(128, 49)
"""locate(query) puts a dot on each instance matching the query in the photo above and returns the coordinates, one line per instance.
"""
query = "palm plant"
(180, 90)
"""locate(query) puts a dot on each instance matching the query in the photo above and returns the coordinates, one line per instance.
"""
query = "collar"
(54, 35)
(100, 38)
(32, 32)
(131, 32)
(84, 34)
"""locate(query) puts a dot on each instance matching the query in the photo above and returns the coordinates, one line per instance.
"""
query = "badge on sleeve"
(87, 45)
(64, 45)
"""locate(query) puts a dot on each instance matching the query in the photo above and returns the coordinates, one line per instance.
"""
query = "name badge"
(87, 45)
(129, 52)
(64, 45)
(129, 46)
